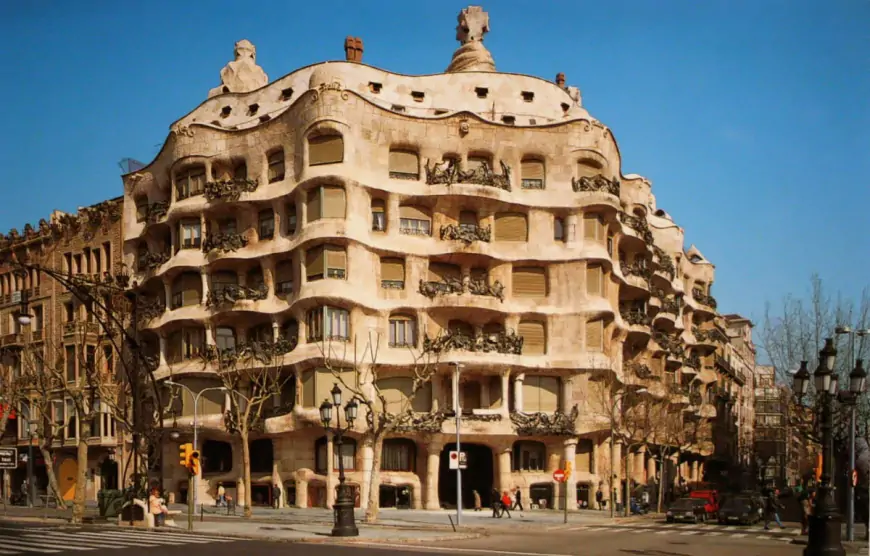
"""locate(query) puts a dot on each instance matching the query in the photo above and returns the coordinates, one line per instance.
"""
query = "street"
(648, 538)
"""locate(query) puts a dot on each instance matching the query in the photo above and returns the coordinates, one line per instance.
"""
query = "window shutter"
(325, 149)
(314, 262)
(511, 227)
(313, 203)
(594, 280)
(191, 286)
(468, 218)
(549, 393)
(323, 381)
(336, 257)
(534, 337)
(404, 162)
(591, 226)
(393, 269)
(378, 206)
(413, 213)
(440, 272)
(595, 335)
(333, 202)
(284, 271)
(532, 170)
(475, 162)
(531, 394)
(308, 398)
(588, 167)
(529, 281)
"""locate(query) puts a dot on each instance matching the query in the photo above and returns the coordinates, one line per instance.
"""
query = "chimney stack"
(560, 80)
(353, 49)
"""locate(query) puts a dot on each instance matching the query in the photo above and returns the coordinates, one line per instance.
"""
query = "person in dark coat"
(772, 505)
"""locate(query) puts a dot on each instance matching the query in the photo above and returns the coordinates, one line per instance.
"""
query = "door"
(66, 478)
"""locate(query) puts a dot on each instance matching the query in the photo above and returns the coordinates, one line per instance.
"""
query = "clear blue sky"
(750, 117)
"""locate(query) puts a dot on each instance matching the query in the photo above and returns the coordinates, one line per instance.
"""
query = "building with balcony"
(62, 341)
(773, 439)
(477, 217)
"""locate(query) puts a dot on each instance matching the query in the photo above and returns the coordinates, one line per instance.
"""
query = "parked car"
(711, 499)
(742, 509)
(687, 509)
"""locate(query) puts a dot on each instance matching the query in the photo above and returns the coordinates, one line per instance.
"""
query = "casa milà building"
(477, 213)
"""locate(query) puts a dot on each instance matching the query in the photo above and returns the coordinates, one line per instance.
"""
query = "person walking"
(772, 507)
(476, 500)
(495, 503)
(276, 496)
(599, 498)
(518, 500)
(806, 508)
(221, 495)
(506, 504)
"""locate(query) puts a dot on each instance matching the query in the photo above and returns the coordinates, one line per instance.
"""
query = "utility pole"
(458, 411)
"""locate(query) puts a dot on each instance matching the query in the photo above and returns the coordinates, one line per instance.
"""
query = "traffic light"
(194, 466)
(568, 467)
(185, 453)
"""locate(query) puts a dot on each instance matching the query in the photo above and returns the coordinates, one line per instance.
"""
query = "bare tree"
(674, 434)
(10, 385)
(383, 416)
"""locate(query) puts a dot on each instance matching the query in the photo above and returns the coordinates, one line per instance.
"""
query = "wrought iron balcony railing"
(474, 286)
(228, 190)
(448, 173)
(231, 293)
(637, 224)
(595, 183)
(703, 298)
(506, 342)
(224, 243)
(635, 315)
(466, 233)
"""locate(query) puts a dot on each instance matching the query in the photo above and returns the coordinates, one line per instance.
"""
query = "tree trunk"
(246, 469)
(81, 474)
(661, 485)
(53, 488)
(626, 501)
(375, 480)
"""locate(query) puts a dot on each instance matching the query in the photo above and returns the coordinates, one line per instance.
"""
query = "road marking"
(639, 531)
(665, 532)
(581, 528)
(161, 538)
(26, 547)
(738, 535)
(406, 547)
(713, 534)
(70, 537)
(685, 533)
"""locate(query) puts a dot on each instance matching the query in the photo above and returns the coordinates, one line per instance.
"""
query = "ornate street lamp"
(344, 524)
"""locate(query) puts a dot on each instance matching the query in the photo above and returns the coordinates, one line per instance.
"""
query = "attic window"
(528, 96)
(418, 96)
(375, 87)
(286, 93)
(226, 111)
(482, 92)
(265, 118)
(565, 107)
(532, 121)
(509, 120)
(252, 109)
(439, 111)
(397, 108)
(216, 122)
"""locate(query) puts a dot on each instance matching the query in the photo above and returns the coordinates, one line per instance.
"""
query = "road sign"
(458, 460)
(8, 458)
(559, 475)
(854, 477)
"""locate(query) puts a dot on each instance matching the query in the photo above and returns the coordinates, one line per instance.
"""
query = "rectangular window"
(511, 227)
(558, 229)
(328, 323)
(594, 228)
(392, 273)
(414, 221)
(191, 234)
(284, 278)
(267, 224)
(532, 172)
(379, 215)
(404, 165)
(397, 456)
(529, 282)
(594, 280)
(72, 429)
(70, 360)
(291, 218)
(595, 335)
(403, 332)
(276, 166)
(189, 182)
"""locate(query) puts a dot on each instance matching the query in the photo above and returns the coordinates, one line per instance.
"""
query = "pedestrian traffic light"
(194, 467)
(185, 452)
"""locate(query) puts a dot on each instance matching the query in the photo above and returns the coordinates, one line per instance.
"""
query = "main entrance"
(477, 476)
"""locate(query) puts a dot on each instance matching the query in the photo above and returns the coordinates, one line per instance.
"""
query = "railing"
(474, 286)
(500, 342)
(703, 298)
(665, 262)
(152, 212)
(448, 173)
(151, 260)
(638, 369)
(231, 293)
(228, 190)
(635, 315)
(338, 273)
(637, 267)
(224, 243)
(637, 224)
(694, 361)
(695, 398)
(596, 183)
(466, 233)
(393, 284)
(80, 327)
(672, 346)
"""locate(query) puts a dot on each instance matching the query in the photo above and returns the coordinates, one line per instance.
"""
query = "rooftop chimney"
(560, 80)
(353, 49)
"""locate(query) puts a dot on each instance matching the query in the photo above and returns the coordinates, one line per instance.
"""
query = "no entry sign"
(559, 475)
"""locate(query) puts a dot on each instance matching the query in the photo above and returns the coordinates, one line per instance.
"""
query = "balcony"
(638, 369)
(635, 315)
(703, 298)
(728, 369)
(501, 342)
(448, 172)
(694, 361)
(665, 262)
(638, 268)
(638, 225)
(224, 243)
(695, 398)
(228, 190)
(150, 260)
(557, 423)
(13, 339)
(679, 394)
(671, 345)
(150, 307)
(71, 328)
(231, 293)
(474, 286)
(596, 184)
(466, 233)
(152, 212)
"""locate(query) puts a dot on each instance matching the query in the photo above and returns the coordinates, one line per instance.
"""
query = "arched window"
(186, 290)
(189, 182)
(225, 338)
(348, 455)
(588, 167)
(403, 330)
(379, 215)
(404, 164)
(325, 149)
(529, 455)
(399, 454)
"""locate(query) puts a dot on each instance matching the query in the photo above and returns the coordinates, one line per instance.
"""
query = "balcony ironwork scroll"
(694, 361)
(703, 335)
(703, 298)
(665, 262)
(557, 423)
(595, 183)
(635, 316)
(150, 307)
(151, 260)
(224, 243)
(638, 369)
(695, 398)
(228, 190)
(474, 286)
(637, 267)
(637, 224)
(466, 234)
(448, 172)
(482, 286)
(152, 212)
(231, 293)
(507, 342)
(673, 346)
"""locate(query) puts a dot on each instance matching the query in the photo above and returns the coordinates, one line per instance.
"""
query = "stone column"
(651, 469)
(204, 275)
(570, 485)
(614, 481)
(276, 476)
(640, 466)
(518, 392)
(436, 392)
(367, 461)
(433, 463)
(695, 471)
(630, 458)
(167, 293)
(331, 479)
(505, 480)
(505, 394)
(567, 393)
(301, 493)
(162, 349)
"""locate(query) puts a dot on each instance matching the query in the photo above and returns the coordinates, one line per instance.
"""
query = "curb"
(28, 519)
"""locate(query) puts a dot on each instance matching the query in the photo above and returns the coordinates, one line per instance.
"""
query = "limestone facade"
(483, 212)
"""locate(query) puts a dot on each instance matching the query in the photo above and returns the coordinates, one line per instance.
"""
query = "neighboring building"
(772, 438)
(740, 353)
(480, 214)
(61, 329)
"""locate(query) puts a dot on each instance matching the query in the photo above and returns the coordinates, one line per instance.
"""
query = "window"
(468, 220)
(403, 331)
(186, 343)
(284, 278)
(142, 209)
(559, 229)
(392, 273)
(379, 215)
(399, 454)
(190, 232)
(109, 359)
(70, 360)
(418, 96)
(222, 280)
(511, 226)
(266, 228)
(290, 209)
(186, 290)
(414, 221)
(610, 243)
(326, 260)
(325, 149)
(255, 279)
(532, 172)
(326, 202)
(528, 96)
(477, 162)
(595, 335)
(594, 227)
(260, 333)
(69, 312)
(442, 272)
(347, 452)
(529, 281)
(540, 394)
(404, 165)
(534, 337)
(328, 323)
(225, 338)
(276, 166)
(72, 428)
(189, 182)
(375, 87)
(529, 456)
(227, 226)
(589, 167)
(594, 280)
(481, 92)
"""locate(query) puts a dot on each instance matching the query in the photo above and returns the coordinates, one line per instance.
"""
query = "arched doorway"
(66, 478)
(477, 476)
(109, 474)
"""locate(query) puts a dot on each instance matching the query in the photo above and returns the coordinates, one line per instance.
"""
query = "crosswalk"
(53, 541)
(692, 530)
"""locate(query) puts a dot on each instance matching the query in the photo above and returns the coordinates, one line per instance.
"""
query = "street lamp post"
(344, 524)
(196, 396)
(31, 486)
(824, 523)
(457, 412)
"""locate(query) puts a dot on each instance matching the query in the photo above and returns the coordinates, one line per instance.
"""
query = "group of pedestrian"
(501, 503)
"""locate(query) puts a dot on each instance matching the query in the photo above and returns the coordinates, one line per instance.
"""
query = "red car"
(711, 499)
